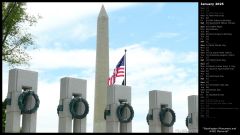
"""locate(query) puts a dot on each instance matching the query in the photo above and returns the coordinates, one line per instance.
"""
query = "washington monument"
(102, 72)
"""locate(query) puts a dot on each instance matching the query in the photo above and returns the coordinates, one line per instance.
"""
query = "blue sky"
(162, 43)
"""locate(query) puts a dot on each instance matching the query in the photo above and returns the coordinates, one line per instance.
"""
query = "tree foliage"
(3, 116)
(15, 38)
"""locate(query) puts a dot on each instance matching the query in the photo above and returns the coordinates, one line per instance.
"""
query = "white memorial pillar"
(160, 103)
(119, 106)
(192, 118)
(72, 89)
(19, 81)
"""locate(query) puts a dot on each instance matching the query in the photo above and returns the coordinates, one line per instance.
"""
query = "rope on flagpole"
(125, 78)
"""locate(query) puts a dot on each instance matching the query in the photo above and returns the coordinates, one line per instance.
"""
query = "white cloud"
(47, 118)
(69, 21)
(82, 32)
(188, 57)
(66, 13)
(59, 58)
(167, 35)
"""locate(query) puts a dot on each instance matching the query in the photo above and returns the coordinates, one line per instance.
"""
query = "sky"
(162, 54)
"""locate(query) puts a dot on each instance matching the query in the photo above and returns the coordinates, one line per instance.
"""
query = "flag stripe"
(119, 75)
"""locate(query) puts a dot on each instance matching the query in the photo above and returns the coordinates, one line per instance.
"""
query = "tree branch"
(9, 13)
(5, 36)
(9, 52)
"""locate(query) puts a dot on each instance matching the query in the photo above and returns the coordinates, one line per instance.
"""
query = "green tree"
(3, 116)
(15, 38)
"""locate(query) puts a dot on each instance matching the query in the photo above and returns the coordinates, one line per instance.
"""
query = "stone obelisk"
(102, 72)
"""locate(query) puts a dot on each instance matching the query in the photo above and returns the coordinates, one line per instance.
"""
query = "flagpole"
(125, 78)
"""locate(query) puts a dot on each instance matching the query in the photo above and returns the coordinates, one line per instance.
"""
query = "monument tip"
(103, 12)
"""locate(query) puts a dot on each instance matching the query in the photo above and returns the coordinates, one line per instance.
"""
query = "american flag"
(119, 71)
